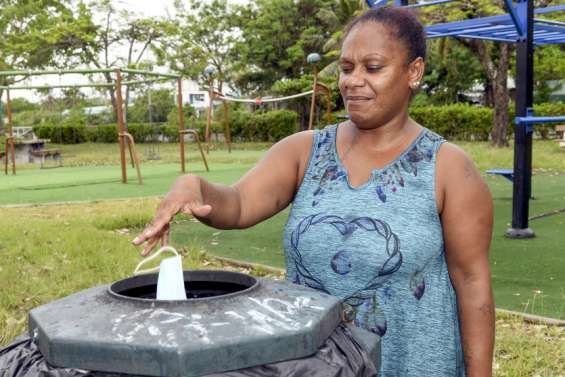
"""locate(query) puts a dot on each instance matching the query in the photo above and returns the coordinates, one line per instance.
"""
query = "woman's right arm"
(261, 193)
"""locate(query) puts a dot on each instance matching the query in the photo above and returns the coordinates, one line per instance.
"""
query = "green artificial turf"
(101, 182)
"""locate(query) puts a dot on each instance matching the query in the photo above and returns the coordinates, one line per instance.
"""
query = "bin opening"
(197, 284)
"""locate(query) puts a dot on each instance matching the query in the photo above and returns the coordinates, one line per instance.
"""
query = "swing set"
(125, 138)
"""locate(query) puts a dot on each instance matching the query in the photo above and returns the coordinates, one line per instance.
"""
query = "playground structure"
(125, 139)
(520, 27)
(213, 94)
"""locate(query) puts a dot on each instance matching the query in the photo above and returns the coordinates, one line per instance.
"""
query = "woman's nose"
(355, 78)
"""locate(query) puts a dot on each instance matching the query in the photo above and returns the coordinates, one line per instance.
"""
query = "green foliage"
(173, 116)
(467, 122)
(144, 132)
(457, 121)
(34, 117)
(451, 69)
(302, 105)
(276, 37)
(61, 134)
(277, 124)
(21, 104)
(201, 35)
(263, 126)
(104, 133)
(162, 102)
(24, 26)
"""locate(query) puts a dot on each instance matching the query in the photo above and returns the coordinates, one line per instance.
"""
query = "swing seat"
(52, 154)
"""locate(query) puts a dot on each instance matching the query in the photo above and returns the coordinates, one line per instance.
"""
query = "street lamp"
(313, 58)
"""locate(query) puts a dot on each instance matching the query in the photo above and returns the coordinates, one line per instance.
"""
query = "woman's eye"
(373, 68)
(346, 69)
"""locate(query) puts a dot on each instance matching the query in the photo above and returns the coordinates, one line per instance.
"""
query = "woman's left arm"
(465, 205)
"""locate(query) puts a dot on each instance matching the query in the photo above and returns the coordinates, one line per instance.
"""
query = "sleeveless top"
(379, 248)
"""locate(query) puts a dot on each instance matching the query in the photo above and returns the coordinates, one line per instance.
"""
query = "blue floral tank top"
(379, 247)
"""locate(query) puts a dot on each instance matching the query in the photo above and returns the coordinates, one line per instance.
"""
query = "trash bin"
(229, 322)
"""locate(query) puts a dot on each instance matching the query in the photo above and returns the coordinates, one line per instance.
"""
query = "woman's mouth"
(357, 98)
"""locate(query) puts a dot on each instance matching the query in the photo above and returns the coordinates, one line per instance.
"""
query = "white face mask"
(170, 283)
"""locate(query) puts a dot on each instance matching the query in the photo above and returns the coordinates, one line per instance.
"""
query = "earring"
(415, 85)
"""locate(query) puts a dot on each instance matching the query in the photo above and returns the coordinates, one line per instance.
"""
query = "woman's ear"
(416, 72)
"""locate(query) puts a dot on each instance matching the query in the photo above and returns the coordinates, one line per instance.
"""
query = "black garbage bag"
(340, 356)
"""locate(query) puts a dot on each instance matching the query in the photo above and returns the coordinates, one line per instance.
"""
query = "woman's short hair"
(402, 22)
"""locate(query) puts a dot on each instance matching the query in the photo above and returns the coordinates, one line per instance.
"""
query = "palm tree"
(342, 12)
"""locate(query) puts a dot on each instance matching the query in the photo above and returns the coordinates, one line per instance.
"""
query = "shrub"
(263, 126)
(58, 133)
(457, 121)
(104, 133)
(467, 122)
(277, 124)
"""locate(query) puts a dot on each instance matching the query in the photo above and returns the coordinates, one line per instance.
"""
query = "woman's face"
(375, 79)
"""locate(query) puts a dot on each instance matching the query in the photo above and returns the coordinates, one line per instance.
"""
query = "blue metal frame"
(504, 28)
(539, 120)
(508, 28)
(515, 17)
(429, 3)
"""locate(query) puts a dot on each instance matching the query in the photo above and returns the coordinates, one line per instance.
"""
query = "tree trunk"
(496, 86)
(112, 93)
(2, 112)
(499, 132)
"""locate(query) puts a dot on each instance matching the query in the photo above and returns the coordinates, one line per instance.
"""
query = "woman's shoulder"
(456, 172)
(453, 155)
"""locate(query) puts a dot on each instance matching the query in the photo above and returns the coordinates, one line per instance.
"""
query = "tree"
(201, 35)
(276, 37)
(451, 70)
(337, 19)
(22, 27)
(94, 34)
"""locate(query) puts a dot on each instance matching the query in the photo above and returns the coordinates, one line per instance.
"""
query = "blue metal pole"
(430, 3)
(522, 134)
(538, 120)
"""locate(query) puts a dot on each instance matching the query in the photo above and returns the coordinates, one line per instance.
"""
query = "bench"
(55, 154)
(506, 173)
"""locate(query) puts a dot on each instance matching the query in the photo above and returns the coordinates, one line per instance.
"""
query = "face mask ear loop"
(137, 270)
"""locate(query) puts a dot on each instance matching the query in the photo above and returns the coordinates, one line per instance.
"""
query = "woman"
(385, 214)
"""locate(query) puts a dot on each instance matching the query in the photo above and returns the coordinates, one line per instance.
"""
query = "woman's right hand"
(184, 196)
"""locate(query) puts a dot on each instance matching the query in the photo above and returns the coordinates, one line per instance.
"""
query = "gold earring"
(415, 85)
